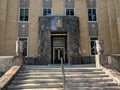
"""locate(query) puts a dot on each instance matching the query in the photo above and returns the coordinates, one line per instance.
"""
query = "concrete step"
(56, 73)
(39, 77)
(51, 78)
(40, 73)
(95, 88)
(89, 80)
(33, 86)
(38, 89)
(35, 81)
(57, 70)
(98, 84)
(76, 80)
(86, 76)
(59, 76)
(58, 66)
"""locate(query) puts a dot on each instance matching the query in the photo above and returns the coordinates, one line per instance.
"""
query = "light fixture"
(23, 26)
(93, 25)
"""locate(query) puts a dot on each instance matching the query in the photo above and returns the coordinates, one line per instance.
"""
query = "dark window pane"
(26, 18)
(25, 45)
(89, 14)
(44, 12)
(49, 12)
(23, 14)
(26, 15)
(93, 38)
(26, 12)
(93, 45)
(67, 11)
(72, 12)
(21, 18)
(92, 15)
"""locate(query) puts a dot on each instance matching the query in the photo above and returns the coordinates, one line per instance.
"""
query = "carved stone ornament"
(100, 47)
(59, 23)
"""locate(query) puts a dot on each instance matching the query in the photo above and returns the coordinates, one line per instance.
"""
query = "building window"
(24, 14)
(92, 16)
(47, 12)
(25, 51)
(69, 12)
(93, 45)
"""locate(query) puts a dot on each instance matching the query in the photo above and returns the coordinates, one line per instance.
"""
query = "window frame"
(27, 43)
(47, 11)
(69, 11)
(94, 43)
(96, 15)
(20, 13)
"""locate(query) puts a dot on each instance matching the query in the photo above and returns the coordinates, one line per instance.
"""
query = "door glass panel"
(61, 54)
(59, 42)
(25, 45)
(58, 54)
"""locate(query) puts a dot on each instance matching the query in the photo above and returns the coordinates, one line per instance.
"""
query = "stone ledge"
(114, 60)
(115, 75)
(6, 56)
(5, 63)
(5, 79)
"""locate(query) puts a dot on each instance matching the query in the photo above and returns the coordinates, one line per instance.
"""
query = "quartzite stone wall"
(70, 24)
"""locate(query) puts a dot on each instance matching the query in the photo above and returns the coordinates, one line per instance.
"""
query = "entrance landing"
(52, 66)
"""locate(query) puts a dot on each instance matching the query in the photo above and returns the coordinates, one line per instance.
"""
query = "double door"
(58, 54)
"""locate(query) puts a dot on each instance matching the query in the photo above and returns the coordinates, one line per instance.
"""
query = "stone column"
(100, 57)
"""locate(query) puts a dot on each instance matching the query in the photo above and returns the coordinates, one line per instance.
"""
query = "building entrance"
(59, 48)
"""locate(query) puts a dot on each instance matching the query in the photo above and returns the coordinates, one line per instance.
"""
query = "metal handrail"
(63, 73)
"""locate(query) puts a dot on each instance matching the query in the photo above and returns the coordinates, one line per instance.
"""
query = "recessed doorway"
(59, 48)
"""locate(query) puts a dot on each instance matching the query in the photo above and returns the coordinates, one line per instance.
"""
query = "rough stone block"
(5, 79)
(100, 60)
(5, 63)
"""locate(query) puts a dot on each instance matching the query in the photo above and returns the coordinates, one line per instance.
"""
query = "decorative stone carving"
(100, 47)
(59, 23)
(19, 47)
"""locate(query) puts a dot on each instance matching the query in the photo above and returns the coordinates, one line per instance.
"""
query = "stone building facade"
(54, 29)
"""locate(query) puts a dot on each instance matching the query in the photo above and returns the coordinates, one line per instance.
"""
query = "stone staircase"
(50, 78)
